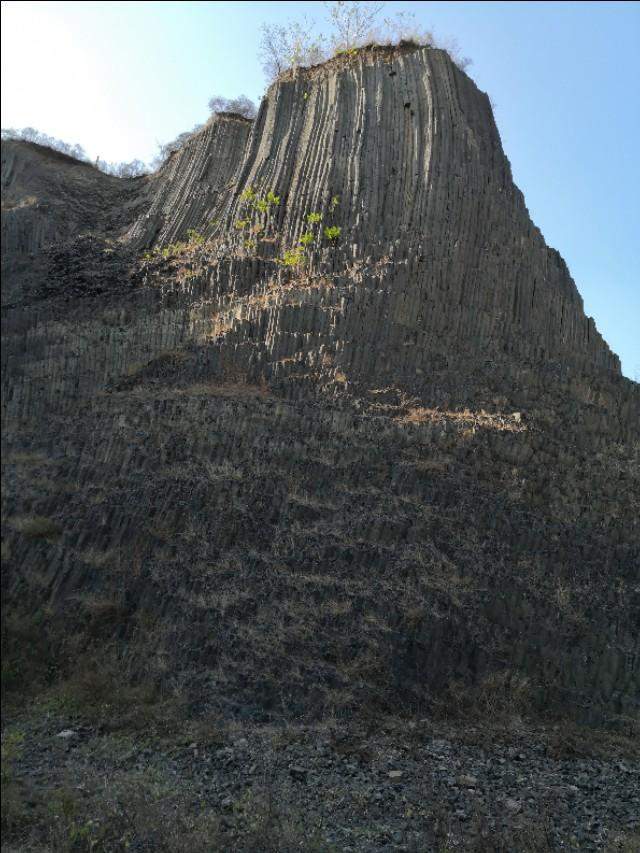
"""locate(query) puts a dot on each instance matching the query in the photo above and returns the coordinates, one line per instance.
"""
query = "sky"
(121, 77)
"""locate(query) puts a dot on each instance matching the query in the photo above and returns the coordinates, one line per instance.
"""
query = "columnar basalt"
(360, 470)
(408, 146)
(49, 198)
(190, 187)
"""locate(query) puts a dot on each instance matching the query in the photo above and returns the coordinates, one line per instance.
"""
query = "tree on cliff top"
(242, 105)
(290, 46)
(352, 24)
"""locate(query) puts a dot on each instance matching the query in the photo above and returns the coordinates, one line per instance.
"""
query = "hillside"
(310, 428)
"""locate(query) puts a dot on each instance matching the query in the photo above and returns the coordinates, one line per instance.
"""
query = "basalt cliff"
(311, 422)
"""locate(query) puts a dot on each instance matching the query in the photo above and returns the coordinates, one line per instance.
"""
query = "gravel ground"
(403, 786)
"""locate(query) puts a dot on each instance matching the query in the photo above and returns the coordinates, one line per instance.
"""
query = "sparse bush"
(132, 169)
(290, 46)
(242, 105)
(30, 134)
(251, 203)
(332, 232)
(292, 258)
(403, 27)
(195, 237)
(13, 805)
(352, 25)
(28, 653)
(169, 148)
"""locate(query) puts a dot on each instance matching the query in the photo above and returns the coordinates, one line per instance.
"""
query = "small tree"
(167, 149)
(242, 105)
(353, 23)
(290, 46)
(403, 27)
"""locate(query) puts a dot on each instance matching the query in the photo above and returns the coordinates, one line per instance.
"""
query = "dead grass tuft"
(466, 418)
(36, 527)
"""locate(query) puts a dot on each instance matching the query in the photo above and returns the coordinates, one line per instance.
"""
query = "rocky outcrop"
(366, 468)
(49, 198)
(408, 146)
(189, 188)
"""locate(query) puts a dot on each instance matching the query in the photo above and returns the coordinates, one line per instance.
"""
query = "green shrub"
(195, 236)
(292, 258)
(14, 812)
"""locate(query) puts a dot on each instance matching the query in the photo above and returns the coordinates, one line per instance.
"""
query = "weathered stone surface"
(402, 473)
(188, 190)
(49, 198)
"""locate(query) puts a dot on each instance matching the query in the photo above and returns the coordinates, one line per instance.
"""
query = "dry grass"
(26, 459)
(231, 389)
(568, 741)
(14, 204)
(98, 559)
(36, 527)
(146, 810)
(624, 842)
(500, 698)
(466, 418)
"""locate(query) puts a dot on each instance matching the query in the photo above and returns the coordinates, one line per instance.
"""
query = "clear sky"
(120, 77)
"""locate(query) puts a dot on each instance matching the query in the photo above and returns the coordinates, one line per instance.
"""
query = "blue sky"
(120, 77)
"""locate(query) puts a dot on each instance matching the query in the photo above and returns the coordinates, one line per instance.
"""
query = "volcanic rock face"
(186, 191)
(48, 198)
(410, 149)
(362, 470)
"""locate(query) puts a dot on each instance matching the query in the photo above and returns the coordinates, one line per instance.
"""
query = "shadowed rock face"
(189, 187)
(49, 198)
(404, 462)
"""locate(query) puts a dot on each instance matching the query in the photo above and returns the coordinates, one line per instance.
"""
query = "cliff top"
(368, 53)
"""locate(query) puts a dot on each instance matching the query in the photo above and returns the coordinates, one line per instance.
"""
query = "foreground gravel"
(405, 786)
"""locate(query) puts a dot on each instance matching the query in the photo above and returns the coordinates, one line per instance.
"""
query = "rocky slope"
(392, 468)
(49, 199)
